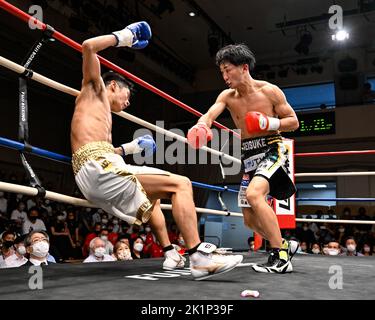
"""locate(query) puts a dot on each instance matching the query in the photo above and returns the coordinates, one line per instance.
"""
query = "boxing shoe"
(279, 261)
(173, 260)
(291, 247)
(206, 262)
(135, 35)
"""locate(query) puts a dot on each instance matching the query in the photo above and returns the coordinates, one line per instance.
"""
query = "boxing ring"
(132, 279)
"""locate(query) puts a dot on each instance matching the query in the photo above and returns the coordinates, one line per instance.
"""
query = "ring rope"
(30, 191)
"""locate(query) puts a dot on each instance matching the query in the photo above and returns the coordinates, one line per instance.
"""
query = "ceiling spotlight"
(340, 35)
(319, 186)
(192, 14)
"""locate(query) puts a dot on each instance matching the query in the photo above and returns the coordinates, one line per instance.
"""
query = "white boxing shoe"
(206, 263)
(173, 260)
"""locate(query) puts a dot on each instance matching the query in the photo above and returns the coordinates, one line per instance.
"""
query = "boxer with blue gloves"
(132, 193)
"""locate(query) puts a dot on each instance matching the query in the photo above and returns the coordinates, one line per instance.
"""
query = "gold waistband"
(90, 151)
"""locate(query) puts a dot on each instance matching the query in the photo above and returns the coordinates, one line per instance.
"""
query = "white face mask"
(342, 230)
(104, 221)
(123, 255)
(138, 246)
(315, 251)
(181, 242)
(333, 252)
(148, 229)
(40, 249)
(60, 218)
(99, 252)
(351, 247)
(104, 238)
(305, 228)
(21, 250)
(366, 249)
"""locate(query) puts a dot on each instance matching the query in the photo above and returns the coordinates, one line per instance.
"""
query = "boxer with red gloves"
(260, 110)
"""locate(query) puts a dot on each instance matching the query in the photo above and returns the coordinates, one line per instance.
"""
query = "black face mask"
(33, 219)
(8, 244)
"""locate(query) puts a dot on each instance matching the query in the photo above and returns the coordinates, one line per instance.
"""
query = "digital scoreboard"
(314, 124)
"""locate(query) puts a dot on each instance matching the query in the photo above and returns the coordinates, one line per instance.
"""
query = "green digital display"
(313, 124)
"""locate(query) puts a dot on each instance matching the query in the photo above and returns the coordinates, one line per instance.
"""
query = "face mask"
(40, 249)
(123, 255)
(366, 249)
(22, 207)
(99, 252)
(333, 252)
(303, 248)
(104, 238)
(8, 244)
(342, 230)
(148, 229)
(138, 246)
(33, 218)
(182, 242)
(305, 228)
(88, 209)
(21, 250)
(60, 218)
(322, 227)
(315, 251)
(351, 247)
(115, 221)
(105, 221)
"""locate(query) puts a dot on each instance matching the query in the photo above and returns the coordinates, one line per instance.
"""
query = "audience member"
(137, 249)
(98, 252)
(351, 248)
(121, 251)
(33, 223)
(37, 246)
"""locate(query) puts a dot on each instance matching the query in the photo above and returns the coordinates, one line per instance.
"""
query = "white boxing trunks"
(108, 182)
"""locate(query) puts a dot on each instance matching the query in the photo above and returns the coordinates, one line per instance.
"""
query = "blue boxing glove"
(145, 143)
(135, 35)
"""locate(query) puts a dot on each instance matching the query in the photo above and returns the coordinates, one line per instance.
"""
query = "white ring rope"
(60, 87)
(30, 191)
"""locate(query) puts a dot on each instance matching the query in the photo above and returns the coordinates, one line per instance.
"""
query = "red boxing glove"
(258, 122)
(199, 135)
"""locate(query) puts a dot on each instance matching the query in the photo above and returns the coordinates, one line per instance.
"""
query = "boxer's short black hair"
(120, 80)
(236, 54)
